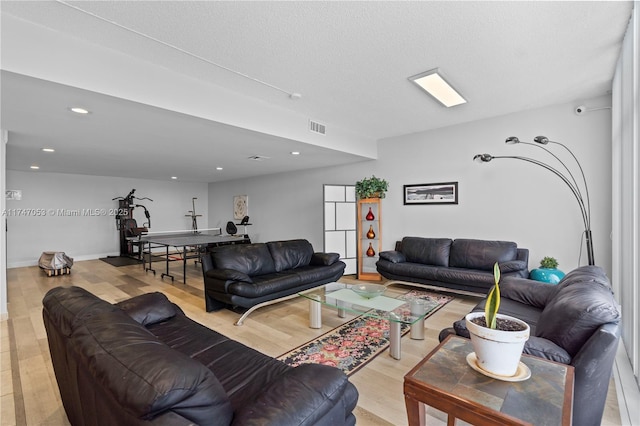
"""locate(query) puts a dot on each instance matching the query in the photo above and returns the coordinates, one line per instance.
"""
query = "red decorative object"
(370, 215)
(370, 251)
(371, 235)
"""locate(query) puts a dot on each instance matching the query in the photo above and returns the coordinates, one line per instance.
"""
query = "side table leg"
(394, 339)
(415, 411)
(315, 312)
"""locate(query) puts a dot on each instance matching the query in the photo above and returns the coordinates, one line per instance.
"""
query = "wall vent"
(316, 127)
(258, 158)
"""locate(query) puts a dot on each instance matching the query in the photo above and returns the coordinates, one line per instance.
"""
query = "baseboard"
(34, 262)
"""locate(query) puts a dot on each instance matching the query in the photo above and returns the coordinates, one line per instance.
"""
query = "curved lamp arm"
(485, 158)
(544, 140)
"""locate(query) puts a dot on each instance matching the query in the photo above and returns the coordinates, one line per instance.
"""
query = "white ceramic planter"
(497, 351)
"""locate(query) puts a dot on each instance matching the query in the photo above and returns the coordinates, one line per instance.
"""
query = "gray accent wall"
(501, 200)
(83, 236)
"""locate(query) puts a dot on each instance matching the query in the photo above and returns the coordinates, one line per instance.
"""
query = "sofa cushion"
(148, 308)
(481, 254)
(265, 284)
(409, 269)
(250, 259)
(543, 348)
(290, 254)
(428, 251)
(469, 277)
(311, 388)
(586, 273)
(228, 275)
(577, 310)
(312, 274)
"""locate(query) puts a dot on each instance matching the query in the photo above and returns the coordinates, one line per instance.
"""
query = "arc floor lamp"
(567, 178)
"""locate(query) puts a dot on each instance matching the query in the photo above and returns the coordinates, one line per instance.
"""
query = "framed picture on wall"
(240, 206)
(431, 193)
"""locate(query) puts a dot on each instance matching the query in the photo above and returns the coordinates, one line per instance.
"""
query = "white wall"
(505, 199)
(89, 237)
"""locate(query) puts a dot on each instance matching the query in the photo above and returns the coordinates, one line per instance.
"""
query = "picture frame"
(431, 193)
(240, 206)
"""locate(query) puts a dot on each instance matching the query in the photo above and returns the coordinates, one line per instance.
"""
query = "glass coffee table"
(396, 311)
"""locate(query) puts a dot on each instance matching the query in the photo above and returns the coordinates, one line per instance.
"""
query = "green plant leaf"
(371, 187)
(549, 262)
(493, 299)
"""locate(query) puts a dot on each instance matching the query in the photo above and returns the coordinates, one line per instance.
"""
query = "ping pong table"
(188, 244)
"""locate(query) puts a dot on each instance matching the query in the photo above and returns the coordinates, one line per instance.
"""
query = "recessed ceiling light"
(219, 168)
(295, 152)
(79, 110)
(48, 150)
(434, 84)
(34, 167)
(174, 177)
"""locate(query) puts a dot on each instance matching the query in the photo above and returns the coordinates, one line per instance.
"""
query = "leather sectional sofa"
(143, 362)
(574, 322)
(256, 275)
(461, 264)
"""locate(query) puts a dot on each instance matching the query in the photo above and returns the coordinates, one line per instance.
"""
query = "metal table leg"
(394, 339)
(315, 312)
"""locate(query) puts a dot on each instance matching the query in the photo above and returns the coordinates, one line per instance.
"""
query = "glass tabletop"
(402, 309)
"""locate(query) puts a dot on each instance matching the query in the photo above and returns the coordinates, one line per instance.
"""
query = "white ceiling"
(349, 60)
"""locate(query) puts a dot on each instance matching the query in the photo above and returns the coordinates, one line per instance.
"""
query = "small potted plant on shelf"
(548, 271)
(372, 187)
(497, 339)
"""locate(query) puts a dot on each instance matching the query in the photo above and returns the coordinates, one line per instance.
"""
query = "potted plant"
(497, 339)
(548, 271)
(372, 187)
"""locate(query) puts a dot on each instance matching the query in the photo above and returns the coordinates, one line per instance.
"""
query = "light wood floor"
(29, 393)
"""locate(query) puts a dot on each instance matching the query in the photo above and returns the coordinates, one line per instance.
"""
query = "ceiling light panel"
(435, 85)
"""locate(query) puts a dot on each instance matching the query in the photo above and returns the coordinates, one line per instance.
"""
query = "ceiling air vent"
(258, 157)
(316, 127)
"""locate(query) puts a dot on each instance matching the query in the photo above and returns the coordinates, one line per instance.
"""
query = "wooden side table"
(445, 381)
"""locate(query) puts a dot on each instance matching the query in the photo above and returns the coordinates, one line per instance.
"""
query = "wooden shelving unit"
(368, 207)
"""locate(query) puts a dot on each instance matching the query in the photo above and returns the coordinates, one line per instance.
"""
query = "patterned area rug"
(355, 343)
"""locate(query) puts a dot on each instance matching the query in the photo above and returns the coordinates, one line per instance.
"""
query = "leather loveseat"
(461, 264)
(574, 322)
(259, 274)
(143, 362)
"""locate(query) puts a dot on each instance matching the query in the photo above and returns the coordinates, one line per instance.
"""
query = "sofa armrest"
(324, 259)
(300, 396)
(523, 255)
(528, 292)
(513, 266)
(393, 256)
(228, 275)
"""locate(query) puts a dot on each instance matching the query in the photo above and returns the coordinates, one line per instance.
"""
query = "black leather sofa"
(574, 322)
(143, 362)
(461, 264)
(255, 275)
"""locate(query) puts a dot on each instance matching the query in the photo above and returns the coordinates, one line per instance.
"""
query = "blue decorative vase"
(546, 275)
